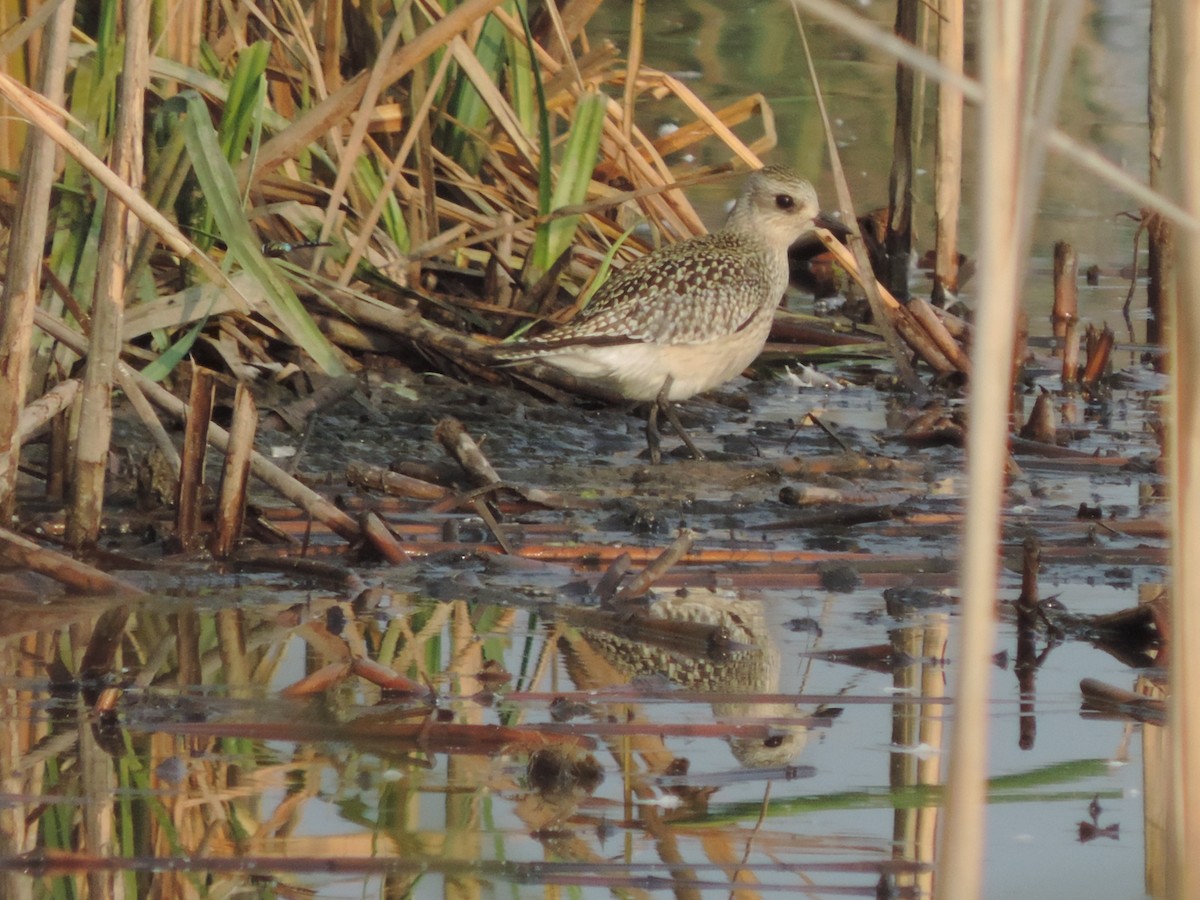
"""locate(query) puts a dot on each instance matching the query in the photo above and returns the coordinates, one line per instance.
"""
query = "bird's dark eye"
(784, 201)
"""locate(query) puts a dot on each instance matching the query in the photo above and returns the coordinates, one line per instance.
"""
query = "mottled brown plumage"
(691, 315)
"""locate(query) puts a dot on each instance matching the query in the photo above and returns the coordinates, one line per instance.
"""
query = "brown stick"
(451, 434)
(393, 483)
(376, 531)
(644, 580)
(77, 576)
(1070, 360)
(921, 310)
(46, 407)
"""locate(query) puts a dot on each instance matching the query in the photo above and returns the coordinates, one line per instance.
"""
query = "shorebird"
(689, 316)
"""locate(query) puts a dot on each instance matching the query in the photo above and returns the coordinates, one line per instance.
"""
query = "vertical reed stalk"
(1182, 163)
(959, 873)
(1158, 229)
(948, 151)
(637, 28)
(23, 271)
(900, 204)
(118, 237)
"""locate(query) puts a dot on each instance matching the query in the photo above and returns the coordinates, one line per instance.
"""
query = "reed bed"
(441, 184)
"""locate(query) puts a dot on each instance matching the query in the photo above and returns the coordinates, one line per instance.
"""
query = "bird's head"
(777, 205)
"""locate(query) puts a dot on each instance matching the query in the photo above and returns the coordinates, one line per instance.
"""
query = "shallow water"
(766, 763)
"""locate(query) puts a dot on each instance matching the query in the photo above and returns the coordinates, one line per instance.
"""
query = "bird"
(689, 316)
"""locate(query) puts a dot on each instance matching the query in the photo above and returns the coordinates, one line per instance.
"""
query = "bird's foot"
(653, 441)
(673, 418)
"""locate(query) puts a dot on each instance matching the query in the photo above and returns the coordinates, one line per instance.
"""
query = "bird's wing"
(681, 294)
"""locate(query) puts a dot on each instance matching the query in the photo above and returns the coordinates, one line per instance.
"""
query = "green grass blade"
(219, 186)
(521, 73)
(469, 114)
(369, 180)
(574, 176)
(160, 368)
(545, 177)
(242, 112)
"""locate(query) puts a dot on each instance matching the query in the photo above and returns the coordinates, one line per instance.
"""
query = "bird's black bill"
(834, 226)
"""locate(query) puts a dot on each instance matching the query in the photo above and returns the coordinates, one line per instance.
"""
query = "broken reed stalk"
(46, 407)
(453, 437)
(383, 540)
(1064, 315)
(1066, 287)
(644, 580)
(21, 552)
(263, 469)
(373, 478)
(235, 474)
(1099, 351)
(922, 328)
(869, 285)
(1070, 350)
(189, 502)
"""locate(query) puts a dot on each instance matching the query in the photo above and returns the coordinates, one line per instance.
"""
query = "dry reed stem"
(873, 290)
(358, 130)
(959, 865)
(948, 165)
(1182, 165)
(633, 64)
(23, 266)
(921, 327)
(235, 474)
(21, 552)
(118, 237)
(45, 408)
(340, 104)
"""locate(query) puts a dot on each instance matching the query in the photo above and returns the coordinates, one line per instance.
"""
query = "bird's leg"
(652, 438)
(668, 408)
